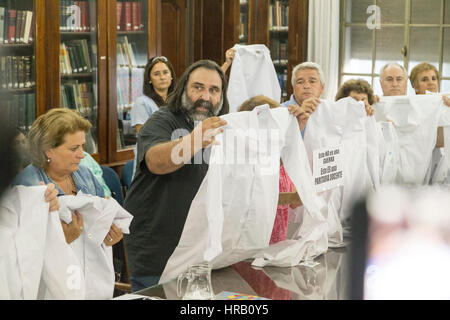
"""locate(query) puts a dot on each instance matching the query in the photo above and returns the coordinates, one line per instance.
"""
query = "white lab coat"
(231, 217)
(345, 123)
(94, 257)
(23, 227)
(35, 260)
(416, 120)
(62, 277)
(252, 73)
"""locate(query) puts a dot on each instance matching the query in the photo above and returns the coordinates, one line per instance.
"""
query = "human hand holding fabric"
(51, 196)
(114, 235)
(207, 130)
(73, 230)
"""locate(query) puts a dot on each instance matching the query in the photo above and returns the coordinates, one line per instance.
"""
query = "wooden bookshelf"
(183, 31)
(18, 91)
(101, 34)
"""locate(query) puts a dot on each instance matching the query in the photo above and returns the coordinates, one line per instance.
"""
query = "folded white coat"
(231, 217)
(23, 227)
(415, 119)
(95, 265)
(343, 129)
(252, 73)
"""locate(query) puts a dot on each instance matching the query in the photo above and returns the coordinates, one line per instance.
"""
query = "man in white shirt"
(308, 83)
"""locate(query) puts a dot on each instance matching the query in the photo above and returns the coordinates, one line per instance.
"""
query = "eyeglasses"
(159, 58)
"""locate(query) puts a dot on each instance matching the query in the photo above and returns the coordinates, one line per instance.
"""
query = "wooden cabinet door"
(214, 29)
(173, 33)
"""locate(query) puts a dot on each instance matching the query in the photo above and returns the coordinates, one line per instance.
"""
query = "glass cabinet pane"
(78, 63)
(356, 10)
(424, 46)
(17, 63)
(446, 54)
(389, 44)
(392, 11)
(243, 22)
(132, 48)
(425, 11)
(278, 40)
(358, 52)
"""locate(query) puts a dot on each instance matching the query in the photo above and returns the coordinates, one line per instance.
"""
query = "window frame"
(407, 25)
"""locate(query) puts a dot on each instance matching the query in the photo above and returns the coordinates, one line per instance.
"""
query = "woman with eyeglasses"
(159, 82)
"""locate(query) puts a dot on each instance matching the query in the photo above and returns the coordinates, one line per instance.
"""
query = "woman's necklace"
(70, 184)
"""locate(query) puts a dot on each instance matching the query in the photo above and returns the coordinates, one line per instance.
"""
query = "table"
(329, 280)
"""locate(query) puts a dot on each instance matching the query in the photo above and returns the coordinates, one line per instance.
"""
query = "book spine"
(119, 15)
(18, 26)
(72, 59)
(21, 123)
(139, 16)
(127, 20)
(6, 26)
(22, 26)
(26, 31)
(33, 70)
(3, 82)
(20, 72)
(30, 109)
(86, 54)
(77, 14)
(33, 25)
(2, 23)
(83, 26)
(134, 16)
(81, 57)
(14, 82)
(12, 25)
(27, 71)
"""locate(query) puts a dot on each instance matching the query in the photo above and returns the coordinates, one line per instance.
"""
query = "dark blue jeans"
(142, 282)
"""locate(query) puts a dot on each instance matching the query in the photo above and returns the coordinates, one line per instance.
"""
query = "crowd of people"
(161, 193)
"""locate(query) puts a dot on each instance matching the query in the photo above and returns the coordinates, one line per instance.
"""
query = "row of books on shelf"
(278, 15)
(126, 52)
(77, 56)
(282, 79)
(75, 16)
(129, 16)
(20, 110)
(17, 72)
(16, 26)
(79, 96)
(278, 50)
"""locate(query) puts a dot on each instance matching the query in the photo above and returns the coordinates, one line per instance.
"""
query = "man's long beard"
(192, 108)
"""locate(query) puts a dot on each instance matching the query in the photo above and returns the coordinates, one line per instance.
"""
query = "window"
(376, 32)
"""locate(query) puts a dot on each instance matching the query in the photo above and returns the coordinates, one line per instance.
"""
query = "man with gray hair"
(393, 80)
(307, 81)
